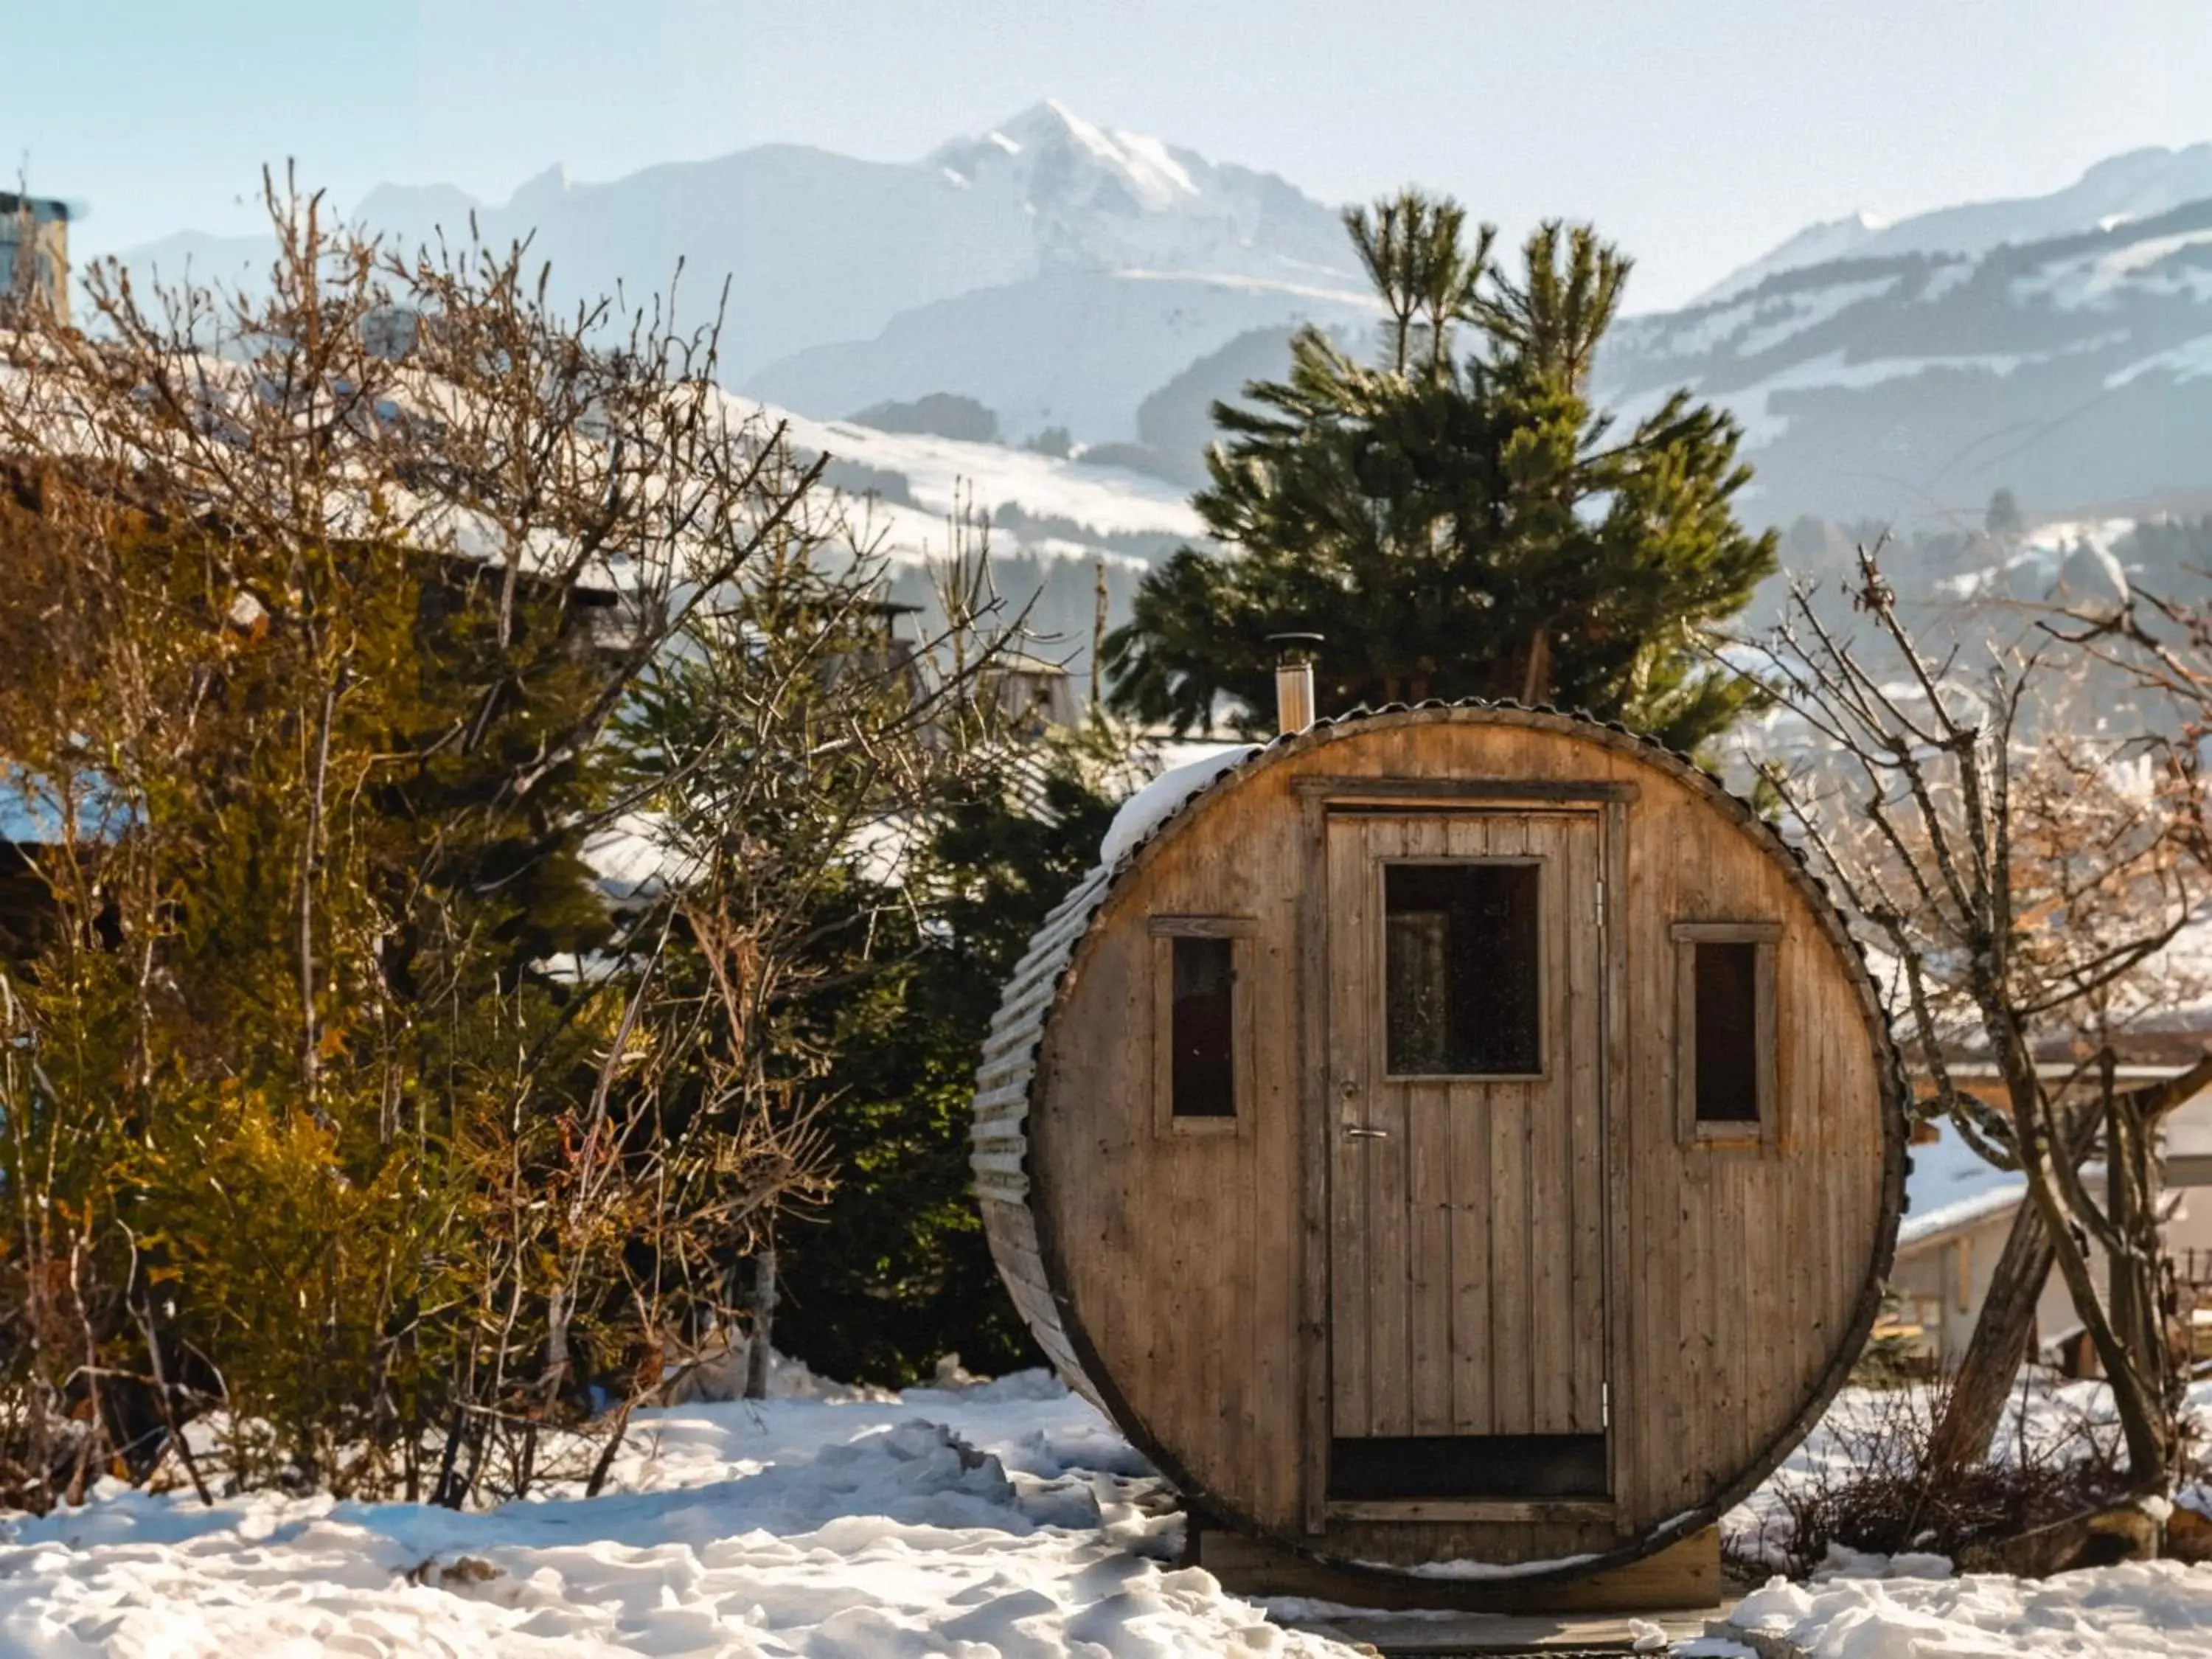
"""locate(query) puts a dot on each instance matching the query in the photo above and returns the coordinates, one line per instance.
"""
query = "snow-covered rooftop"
(1951, 1187)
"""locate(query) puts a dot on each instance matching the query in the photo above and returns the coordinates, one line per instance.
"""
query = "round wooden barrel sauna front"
(1451, 1134)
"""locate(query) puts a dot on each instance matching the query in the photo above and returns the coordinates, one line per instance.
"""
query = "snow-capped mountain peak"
(1056, 161)
(1049, 143)
(1097, 198)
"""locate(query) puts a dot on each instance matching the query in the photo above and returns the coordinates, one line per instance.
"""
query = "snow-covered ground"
(2141, 1611)
(1007, 1520)
(1910, 1607)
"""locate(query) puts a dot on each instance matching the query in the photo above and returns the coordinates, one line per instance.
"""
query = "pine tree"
(1458, 523)
(897, 1271)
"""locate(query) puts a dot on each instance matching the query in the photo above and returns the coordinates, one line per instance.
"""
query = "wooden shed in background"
(1454, 1133)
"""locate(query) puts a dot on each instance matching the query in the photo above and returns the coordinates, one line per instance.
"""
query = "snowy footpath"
(1002, 1522)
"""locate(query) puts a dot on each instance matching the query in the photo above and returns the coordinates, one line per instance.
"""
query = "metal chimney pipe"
(1294, 681)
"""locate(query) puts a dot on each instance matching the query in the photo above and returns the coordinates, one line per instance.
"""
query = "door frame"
(1320, 797)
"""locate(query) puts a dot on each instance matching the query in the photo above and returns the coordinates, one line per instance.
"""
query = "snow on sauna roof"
(1163, 798)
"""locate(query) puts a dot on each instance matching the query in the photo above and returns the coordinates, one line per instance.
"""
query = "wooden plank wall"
(1181, 1260)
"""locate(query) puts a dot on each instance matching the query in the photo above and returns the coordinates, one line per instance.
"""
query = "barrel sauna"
(1451, 1134)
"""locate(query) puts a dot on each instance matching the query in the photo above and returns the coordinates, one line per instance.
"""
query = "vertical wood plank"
(1475, 1113)
(1387, 1164)
(1551, 1211)
(1512, 1313)
(1307, 1095)
(1655, 1176)
(1350, 1326)
(1472, 1353)
(1430, 1268)
(1732, 1220)
(1699, 1348)
(1617, 1139)
(1586, 1187)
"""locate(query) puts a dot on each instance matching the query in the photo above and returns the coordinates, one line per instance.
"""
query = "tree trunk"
(2003, 1331)
(762, 1308)
(1999, 1346)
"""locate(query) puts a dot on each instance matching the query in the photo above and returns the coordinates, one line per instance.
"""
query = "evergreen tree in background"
(894, 1269)
(1457, 522)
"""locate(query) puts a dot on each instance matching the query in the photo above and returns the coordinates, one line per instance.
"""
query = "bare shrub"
(1871, 1481)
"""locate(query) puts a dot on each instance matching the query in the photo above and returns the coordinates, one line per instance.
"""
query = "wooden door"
(1467, 1285)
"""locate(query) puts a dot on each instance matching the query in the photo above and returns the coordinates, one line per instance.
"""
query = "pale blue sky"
(1697, 132)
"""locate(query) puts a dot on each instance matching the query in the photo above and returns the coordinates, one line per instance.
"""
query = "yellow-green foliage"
(290, 1101)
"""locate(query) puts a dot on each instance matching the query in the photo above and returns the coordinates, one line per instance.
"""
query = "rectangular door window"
(1462, 970)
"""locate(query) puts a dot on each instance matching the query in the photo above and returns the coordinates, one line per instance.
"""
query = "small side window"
(1203, 1077)
(1725, 1030)
(1201, 1023)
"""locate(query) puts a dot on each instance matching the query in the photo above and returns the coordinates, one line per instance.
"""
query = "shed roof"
(45, 210)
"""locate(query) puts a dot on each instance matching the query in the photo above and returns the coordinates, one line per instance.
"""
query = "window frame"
(1546, 897)
(1241, 931)
(1763, 1133)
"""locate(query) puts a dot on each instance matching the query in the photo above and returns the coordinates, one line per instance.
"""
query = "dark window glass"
(1728, 1041)
(1461, 978)
(1205, 1077)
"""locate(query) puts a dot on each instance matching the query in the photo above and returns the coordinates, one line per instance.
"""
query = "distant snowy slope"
(2141, 184)
(1815, 245)
(939, 475)
(1079, 349)
(2075, 370)
(1056, 528)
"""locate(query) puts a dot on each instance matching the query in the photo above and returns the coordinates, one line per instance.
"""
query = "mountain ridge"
(2137, 184)
(2074, 370)
(1069, 275)
(827, 253)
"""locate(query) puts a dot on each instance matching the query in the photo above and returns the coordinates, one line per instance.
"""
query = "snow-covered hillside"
(2141, 184)
(922, 479)
(1056, 528)
(2075, 369)
(1073, 348)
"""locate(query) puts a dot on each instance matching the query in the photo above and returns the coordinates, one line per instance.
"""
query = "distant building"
(1034, 695)
(34, 253)
(1959, 1211)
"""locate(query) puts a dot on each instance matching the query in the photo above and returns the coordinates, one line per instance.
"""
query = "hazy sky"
(1696, 132)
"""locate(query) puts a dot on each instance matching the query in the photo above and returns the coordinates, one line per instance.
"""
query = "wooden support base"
(1686, 1574)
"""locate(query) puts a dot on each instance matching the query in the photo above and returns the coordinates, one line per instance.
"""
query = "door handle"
(1361, 1132)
